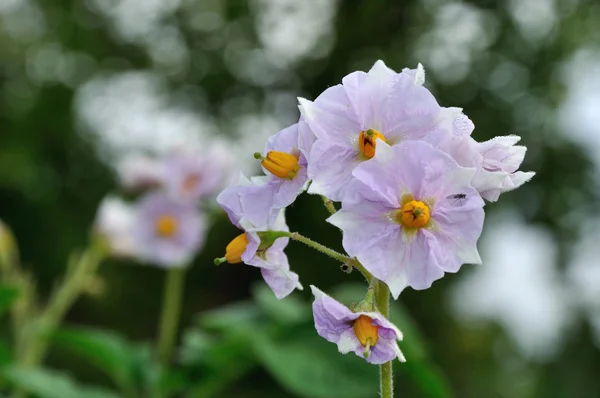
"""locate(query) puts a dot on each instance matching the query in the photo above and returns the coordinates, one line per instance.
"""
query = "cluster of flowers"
(411, 181)
(166, 225)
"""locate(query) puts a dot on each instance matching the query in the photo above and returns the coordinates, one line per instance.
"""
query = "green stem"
(352, 262)
(382, 297)
(61, 301)
(329, 204)
(172, 297)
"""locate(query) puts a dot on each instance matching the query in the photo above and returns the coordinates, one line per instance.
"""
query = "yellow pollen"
(281, 164)
(367, 142)
(166, 226)
(235, 249)
(414, 214)
(365, 331)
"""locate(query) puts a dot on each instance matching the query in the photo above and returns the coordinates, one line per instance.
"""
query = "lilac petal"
(363, 225)
(422, 267)
(281, 280)
(306, 138)
(368, 94)
(330, 168)
(348, 342)
(286, 191)
(284, 141)
(331, 117)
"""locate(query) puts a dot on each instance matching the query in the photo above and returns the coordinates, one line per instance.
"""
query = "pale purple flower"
(410, 215)
(497, 161)
(335, 323)
(249, 203)
(114, 223)
(394, 105)
(294, 140)
(501, 161)
(167, 232)
(189, 176)
(137, 172)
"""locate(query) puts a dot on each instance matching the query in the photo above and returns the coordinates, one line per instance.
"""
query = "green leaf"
(8, 295)
(312, 367)
(108, 351)
(51, 384)
(428, 378)
(235, 317)
(290, 311)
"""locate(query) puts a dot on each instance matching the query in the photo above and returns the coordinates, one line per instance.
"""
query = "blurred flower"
(368, 334)
(190, 176)
(260, 249)
(140, 172)
(410, 215)
(114, 223)
(167, 232)
(349, 118)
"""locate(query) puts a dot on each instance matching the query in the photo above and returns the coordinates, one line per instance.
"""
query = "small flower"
(260, 249)
(368, 334)
(137, 172)
(285, 160)
(410, 215)
(167, 232)
(114, 223)
(249, 204)
(348, 120)
(191, 176)
(501, 159)
(496, 160)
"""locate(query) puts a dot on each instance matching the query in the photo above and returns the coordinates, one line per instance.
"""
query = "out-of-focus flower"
(368, 334)
(410, 215)
(249, 204)
(258, 249)
(114, 223)
(285, 160)
(348, 120)
(139, 172)
(191, 176)
(167, 232)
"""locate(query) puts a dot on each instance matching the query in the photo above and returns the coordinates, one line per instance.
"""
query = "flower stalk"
(171, 310)
(382, 297)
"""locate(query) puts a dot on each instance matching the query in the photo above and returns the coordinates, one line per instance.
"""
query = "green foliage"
(52, 384)
(8, 295)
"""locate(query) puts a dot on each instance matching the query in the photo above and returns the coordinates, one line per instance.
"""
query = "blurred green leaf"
(290, 311)
(195, 345)
(8, 295)
(312, 368)
(109, 351)
(5, 353)
(51, 384)
(428, 379)
(234, 317)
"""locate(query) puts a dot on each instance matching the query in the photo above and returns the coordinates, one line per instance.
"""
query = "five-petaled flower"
(410, 214)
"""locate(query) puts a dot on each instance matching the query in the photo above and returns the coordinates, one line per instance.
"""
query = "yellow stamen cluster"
(365, 331)
(414, 214)
(281, 164)
(235, 249)
(165, 226)
(367, 142)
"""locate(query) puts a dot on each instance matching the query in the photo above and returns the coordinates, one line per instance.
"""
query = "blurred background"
(85, 84)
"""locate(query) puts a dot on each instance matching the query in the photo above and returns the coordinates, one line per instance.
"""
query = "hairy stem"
(382, 298)
(172, 297)
(328, 204)
(352, 262)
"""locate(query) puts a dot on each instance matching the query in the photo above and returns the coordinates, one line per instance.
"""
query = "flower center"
(367, 142)
(414, 214)
(365, 331)
(235, 249)
(165, 226)
(190, 183)
(281, 164)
